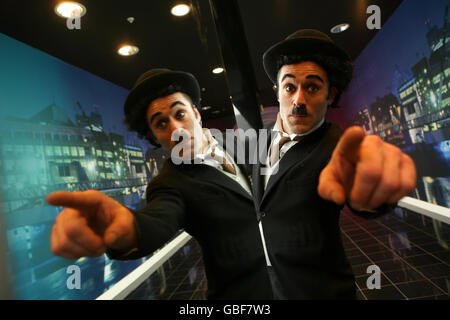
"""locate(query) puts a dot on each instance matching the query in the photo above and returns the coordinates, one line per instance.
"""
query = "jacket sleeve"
(375, 213)
(156, 223)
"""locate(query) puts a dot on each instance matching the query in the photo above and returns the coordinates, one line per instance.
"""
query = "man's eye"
(180, 114)
(289, 88)
(312, 88)
(161, 124)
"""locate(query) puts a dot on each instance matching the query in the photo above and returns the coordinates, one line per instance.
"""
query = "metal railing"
(130, 282)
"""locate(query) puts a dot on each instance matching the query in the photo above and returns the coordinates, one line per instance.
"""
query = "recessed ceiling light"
(70, 9)
(128, 50)
(340, 28)
(206, 108)
(217, 70)
(180, 10)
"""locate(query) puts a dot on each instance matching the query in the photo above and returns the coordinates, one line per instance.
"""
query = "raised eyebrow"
(171, 106)
(287, 75)
(314, 76)
(177, 102)
(154, 116)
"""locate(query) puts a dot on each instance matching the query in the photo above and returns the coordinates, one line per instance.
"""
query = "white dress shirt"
(206, 158)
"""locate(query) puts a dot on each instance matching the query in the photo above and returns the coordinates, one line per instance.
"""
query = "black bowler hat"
(301, 42)
(156, 79)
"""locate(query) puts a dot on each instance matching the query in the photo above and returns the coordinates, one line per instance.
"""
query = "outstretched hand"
(366, 172)
(89, 224)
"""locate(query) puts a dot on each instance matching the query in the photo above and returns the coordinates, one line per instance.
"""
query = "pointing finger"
(349, 144)
(368, 171)
(75, 199)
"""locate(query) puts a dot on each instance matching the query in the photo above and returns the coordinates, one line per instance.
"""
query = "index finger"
(75, 199)
(348, 145)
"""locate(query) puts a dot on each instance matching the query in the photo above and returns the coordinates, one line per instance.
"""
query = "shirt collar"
(212, 144)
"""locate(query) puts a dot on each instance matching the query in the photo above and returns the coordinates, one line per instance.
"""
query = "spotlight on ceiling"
(340, 28)
(180, 10)
(128, 50)
(217, 70)
(70, 9)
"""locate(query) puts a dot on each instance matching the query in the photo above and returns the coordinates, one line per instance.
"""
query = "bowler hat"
(156, 79)
(301, 42)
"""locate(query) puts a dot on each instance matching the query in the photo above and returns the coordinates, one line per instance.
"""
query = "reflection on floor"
(411, 251)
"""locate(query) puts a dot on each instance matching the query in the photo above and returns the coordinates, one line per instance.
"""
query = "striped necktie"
(226, 166)
(275, 151)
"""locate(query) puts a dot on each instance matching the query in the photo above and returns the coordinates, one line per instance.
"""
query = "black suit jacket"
(219, 214)
(301, 229)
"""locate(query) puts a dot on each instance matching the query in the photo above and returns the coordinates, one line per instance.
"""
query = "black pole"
(236, 57)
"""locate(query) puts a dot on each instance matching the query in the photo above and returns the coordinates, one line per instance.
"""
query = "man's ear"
(332, 95)
(196, 113)
(275, 89)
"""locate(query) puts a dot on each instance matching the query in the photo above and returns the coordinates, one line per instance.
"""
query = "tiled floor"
(411, 251)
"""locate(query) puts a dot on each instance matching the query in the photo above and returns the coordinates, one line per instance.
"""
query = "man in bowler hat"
(318, 170)
(210, 197)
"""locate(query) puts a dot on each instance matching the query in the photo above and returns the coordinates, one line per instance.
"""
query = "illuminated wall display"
(61, 135)
(400, 92)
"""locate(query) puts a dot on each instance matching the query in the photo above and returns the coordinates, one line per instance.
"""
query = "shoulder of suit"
(168, 178)
(166, 172)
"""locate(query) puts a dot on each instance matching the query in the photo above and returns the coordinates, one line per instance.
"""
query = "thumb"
(121, 233)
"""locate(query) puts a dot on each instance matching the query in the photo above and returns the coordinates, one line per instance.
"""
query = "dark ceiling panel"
(185, 43)
(267, 22)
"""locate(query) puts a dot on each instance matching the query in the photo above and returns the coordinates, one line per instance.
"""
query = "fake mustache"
(299, 110)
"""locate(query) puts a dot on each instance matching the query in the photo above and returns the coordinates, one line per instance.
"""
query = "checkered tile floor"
(411, 251)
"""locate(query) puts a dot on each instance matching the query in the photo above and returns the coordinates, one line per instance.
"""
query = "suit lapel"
(258, 178)
(209, 174)
(295, 156)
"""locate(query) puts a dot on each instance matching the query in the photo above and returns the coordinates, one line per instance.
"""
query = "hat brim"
(184, 79)
(298, 46)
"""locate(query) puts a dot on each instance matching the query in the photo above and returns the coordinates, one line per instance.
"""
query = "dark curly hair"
(136, 120)
(339, 71)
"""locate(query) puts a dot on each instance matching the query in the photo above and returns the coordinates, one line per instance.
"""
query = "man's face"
(306, 86)
(175, 113)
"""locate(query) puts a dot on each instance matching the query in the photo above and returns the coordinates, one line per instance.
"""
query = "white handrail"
(131, 281)
(427, 209)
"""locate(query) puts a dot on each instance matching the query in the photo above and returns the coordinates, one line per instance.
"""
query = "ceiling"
(229, 33)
